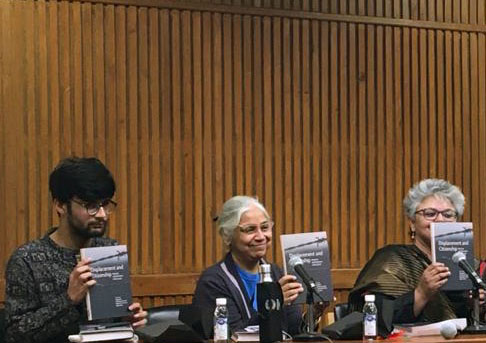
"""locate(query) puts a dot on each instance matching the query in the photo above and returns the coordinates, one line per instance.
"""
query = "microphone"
(298, 265)
(448, 330)
(460, 259)
(308, 335)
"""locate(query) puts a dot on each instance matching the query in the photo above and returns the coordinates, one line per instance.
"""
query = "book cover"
(446, 239)
(313, 249)
(112, 294)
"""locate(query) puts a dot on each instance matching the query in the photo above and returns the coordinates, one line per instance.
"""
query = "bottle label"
(221, 329)
(272, 304)
(369, 327)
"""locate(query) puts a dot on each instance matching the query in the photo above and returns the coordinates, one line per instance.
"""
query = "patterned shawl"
(395, 270)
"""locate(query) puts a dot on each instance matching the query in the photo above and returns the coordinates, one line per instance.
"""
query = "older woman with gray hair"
(246, 228)
(405, 273)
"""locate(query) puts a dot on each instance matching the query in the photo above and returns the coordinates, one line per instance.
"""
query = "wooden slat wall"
(326, 110)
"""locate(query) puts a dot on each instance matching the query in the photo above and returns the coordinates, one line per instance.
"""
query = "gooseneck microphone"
(460, 259)
(308, 335)
(298, 265)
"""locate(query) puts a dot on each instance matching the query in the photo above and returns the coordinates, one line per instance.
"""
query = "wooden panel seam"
(215, 8)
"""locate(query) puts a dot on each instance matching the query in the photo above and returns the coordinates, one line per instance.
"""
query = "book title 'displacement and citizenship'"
(452, 245)
(101, 272)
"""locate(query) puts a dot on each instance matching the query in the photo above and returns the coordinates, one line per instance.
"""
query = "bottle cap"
(265, 268)
(369, 297)
(220, 301)
(265, 273)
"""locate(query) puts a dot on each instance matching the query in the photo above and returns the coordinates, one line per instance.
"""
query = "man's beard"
(89, 231)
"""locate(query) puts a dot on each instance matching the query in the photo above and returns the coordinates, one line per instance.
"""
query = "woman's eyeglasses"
(432, 214)
(252, 228)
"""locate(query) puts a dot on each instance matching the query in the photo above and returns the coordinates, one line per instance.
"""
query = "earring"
(412, 234)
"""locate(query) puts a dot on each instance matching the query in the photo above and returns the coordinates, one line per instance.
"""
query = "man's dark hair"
(85, 178)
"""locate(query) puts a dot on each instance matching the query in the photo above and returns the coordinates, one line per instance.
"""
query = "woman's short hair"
(433, 187)
(231, 213)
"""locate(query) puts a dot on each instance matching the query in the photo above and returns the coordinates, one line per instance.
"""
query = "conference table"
(461, 338)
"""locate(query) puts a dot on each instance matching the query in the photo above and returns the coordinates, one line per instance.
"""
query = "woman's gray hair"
(231, 213)
(433, 187)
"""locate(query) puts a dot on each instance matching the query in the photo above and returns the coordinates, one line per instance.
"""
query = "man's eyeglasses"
(432, 214)
(252, 229)
(92, 208)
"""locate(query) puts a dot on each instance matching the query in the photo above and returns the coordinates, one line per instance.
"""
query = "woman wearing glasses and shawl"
(246, 228)
(405, 273)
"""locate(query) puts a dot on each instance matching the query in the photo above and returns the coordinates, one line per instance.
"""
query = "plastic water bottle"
(221, 331)
(370, 328)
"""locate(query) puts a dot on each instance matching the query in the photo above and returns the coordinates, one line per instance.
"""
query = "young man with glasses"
(45, 284)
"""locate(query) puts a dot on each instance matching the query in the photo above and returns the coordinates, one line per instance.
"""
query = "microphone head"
(448, 330)
(295, 260)
(458, 256)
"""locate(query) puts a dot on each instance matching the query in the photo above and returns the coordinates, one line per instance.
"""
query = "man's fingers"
(139, 323)
(85, 276)
(83, 262)
(135, 307)
(81, 270)
(90, 283)
(140, 315)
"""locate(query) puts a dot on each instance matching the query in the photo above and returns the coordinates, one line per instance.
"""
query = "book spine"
(88, 300)
(88, 307)
(432, 242)
(284, 255)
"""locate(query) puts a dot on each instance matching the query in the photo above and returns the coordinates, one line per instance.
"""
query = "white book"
(101, 333)
(431, 329)
(250, 334)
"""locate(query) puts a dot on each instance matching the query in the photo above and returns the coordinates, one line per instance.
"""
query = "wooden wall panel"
(466, 12)
(328, 111)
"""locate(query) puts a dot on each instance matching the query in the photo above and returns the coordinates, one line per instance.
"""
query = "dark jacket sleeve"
(210, 286)
(27, 319)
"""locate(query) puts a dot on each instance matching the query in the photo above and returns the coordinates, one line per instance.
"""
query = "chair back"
(164, 313)
(340, 311)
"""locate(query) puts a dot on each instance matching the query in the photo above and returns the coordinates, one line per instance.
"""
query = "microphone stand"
(475, 326)
(310, 335)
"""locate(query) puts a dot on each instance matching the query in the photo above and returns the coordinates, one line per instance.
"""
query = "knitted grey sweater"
(37, 306)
